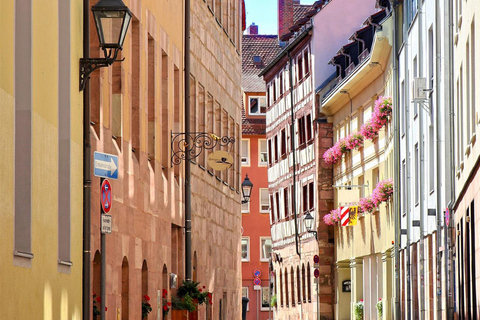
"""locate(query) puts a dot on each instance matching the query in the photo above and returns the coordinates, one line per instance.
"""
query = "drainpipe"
(438, 124)
(188, 191)
(421, 170)
(408, 183)
(449, 158)
(87, 181)
(292, 133)
(396, 161)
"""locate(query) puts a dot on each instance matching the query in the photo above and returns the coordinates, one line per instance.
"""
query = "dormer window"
(257, 60)
(257, 105)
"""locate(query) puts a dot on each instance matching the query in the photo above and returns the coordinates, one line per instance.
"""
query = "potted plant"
(146, 307)
(189, 296)
(379, 307)
(358, 310)
(165, 304)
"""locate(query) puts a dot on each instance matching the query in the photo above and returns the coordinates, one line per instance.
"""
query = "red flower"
(165, 308)
(203, 287)
(99, 299)
(361, 300)
(200, 290)
(210, 302)
(105, 308)
(169, 304)
(164, 292)
(146, 297)
(210, 295)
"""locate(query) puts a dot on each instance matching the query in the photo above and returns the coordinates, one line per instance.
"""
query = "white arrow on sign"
(105, 165)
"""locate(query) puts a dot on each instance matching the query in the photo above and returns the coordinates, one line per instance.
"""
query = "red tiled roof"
(300, 11)
(264, 46)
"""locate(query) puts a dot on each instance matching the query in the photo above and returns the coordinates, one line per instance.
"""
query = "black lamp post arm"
(88, 65)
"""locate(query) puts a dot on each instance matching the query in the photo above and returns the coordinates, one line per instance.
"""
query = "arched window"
(281, 288)
(292, 284)
(125, 288)
(309, 283)
(97, 269)
(299, 292)
(164, 283)
(303, 284)
(144, 281)
(286, 288)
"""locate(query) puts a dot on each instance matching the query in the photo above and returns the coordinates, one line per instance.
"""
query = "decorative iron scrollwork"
(198, 142)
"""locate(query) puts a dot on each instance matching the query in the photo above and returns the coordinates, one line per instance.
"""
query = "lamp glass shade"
(112, 18)
(308, 220)
(247, 186)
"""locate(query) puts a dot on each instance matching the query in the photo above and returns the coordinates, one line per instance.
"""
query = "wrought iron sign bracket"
(199, 141)
(88, 65)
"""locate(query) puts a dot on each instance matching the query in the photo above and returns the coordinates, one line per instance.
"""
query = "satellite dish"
(220, 160)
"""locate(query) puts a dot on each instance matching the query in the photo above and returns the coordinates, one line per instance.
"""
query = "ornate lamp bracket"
(88, 65)
(193, 144)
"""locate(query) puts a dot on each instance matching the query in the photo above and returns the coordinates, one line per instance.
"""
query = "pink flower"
(366, 205)
(383, 191)
(369, 130)
(354, 141)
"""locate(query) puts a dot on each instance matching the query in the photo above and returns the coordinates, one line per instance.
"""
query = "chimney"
(285, 16)
(252, 29)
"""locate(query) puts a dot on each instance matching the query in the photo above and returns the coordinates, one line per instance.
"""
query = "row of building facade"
(135, 107)
(371, 105)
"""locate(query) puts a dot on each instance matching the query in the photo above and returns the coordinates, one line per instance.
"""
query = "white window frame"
(247, 162)
(259, 113)
(246, 296)
(262, 308)
(260, 162)
(248, 207)
(260, 202)
(262, 239)
(247, 259)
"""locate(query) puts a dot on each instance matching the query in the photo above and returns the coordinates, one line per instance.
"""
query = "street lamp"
(308, 220)
(112, 18)
(247, 186)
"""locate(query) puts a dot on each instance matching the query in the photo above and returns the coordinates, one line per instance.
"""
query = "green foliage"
(273, 302)
(358, 310)
(192, 289)
(379, 307)
(146, 307)
(184, 303)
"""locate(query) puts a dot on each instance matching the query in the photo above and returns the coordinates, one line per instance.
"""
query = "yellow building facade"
(364, 252)
(41, 160)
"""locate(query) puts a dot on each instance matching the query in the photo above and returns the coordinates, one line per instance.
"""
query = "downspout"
(408, 194)
(188, 191)
(87, 181)
(438, 118)
(449, 156)
(421, 170)
(396, 163)
(292, 134)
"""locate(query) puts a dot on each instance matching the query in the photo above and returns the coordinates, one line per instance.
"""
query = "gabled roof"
(264, 48)
(300, 11)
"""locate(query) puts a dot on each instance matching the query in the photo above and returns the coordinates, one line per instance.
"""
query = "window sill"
(27, 255)
(467, 151)
(473, 139)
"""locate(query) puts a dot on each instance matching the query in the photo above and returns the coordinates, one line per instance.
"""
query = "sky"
(264, 14)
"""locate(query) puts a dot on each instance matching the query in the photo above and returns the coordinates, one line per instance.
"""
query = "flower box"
(179, 314)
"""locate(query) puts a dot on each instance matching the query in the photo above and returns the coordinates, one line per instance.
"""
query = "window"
(305, 57)
(265, 299)
(245, 152)
(286, 202)
(246, 207)
(264, 205)
(284, 144)
(308, 197)
(245, 249)
(270, 151)
(271, 211)
(281, 83)
(301, 131)
(300, 67)
(262, 145)
(277, 204)
(265, 248)
(245, 294)
(257, 105)
(275, 146)
(308, 125)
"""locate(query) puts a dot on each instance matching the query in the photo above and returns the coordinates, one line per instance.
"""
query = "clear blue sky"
(264, 14)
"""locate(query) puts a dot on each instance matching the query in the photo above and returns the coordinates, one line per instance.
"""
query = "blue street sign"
(105, 165)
